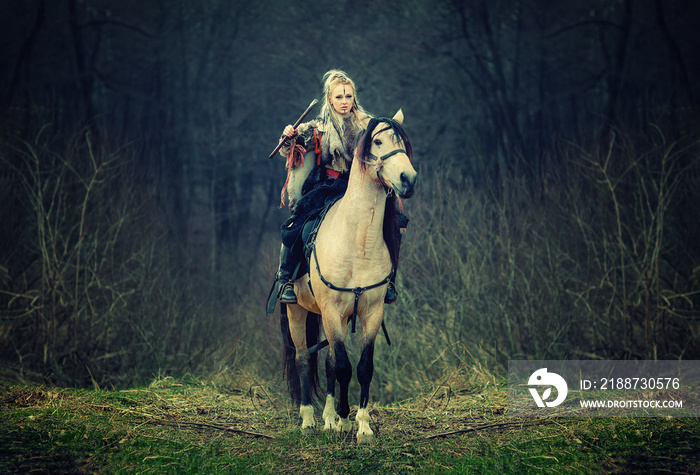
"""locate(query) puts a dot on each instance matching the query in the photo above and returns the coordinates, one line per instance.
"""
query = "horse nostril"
(407, 185)
(407, 181)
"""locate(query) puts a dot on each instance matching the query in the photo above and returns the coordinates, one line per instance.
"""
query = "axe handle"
(296, 124)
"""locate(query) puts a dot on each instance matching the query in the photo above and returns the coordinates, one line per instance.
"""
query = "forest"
(556, 213)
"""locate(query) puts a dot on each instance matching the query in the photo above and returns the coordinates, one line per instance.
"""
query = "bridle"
(379, 161)
(386, 155)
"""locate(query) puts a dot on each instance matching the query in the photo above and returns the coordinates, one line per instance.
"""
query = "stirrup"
(390, 296)
(287, 294)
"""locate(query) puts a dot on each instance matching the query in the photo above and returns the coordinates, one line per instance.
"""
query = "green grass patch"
(196, 427)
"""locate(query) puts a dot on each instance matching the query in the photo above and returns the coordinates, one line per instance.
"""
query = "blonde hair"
(331, 79)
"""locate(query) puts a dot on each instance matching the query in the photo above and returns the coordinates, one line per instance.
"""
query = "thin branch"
(201, 425)
(489, 426)
(580, 24)
(121, 24)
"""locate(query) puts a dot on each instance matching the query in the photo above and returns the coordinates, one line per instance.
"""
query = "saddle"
(306, 236)
(300, 230)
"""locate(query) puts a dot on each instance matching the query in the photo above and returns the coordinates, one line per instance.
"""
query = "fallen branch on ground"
(200, 425)
(488, 426)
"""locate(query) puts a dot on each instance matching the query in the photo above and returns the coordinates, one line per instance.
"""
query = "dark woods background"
(557, 212)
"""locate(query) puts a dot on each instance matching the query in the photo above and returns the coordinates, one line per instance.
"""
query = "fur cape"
(337, 149)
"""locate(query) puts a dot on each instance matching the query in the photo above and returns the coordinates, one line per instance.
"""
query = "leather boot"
(284, 275)
(390, 293)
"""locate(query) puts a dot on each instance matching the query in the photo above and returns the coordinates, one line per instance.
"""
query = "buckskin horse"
(351, 259)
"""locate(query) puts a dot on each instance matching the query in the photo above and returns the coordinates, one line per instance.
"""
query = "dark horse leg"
(329, 411)
(300, 330)
(341, 369)
(365, 370)
(306, 410)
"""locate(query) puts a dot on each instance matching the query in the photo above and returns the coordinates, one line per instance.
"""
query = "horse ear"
(399, 116)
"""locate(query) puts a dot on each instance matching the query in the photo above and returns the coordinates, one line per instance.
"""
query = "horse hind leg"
(329, 412)
(342, 370)
(365, 370)
(304, 330)
(306, 409)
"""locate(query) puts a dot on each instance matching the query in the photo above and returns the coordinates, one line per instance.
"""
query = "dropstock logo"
(542, 378)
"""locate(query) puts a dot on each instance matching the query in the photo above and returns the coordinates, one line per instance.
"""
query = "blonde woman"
(341, 120)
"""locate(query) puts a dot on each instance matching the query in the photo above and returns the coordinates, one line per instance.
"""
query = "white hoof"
(308, 424)
(364, 431)
(329, 414)
(343, 425)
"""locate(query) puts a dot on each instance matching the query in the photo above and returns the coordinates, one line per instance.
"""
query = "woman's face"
(342, 98)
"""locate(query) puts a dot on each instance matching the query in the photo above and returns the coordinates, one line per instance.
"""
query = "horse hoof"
(343, 425)
(329, 425)
(365, 439)
(308, 430)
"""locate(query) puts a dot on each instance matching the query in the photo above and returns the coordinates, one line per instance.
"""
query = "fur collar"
(338, 142)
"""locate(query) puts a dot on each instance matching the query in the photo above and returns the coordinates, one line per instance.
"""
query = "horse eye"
(377, 142)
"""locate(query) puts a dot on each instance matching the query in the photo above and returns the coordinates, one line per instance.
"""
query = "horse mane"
(364, 146)
(393, 217)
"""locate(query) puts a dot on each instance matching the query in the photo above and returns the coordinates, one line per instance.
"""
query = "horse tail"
(313, 336)
(290, 373)
(289, 353)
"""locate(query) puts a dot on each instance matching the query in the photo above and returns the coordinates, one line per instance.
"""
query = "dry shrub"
(595, 258)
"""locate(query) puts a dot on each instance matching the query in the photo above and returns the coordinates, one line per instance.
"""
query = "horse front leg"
(371, 323)
(365, 370)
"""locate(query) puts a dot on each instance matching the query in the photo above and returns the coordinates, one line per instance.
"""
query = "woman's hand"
(289, 131)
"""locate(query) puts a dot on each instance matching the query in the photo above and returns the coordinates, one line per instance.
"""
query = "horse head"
(385, 152)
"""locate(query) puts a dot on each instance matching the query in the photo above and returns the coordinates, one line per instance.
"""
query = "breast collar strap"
(357, 290)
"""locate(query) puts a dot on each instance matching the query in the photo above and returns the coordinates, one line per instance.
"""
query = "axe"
(296, 124)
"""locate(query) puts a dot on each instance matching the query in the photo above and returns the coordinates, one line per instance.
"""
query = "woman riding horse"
(332, 135)
(354, 254)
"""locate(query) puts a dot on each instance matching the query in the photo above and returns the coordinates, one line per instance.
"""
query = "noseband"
(376, 159)
(386, 155)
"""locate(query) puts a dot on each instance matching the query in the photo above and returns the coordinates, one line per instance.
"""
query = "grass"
(192, 426)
